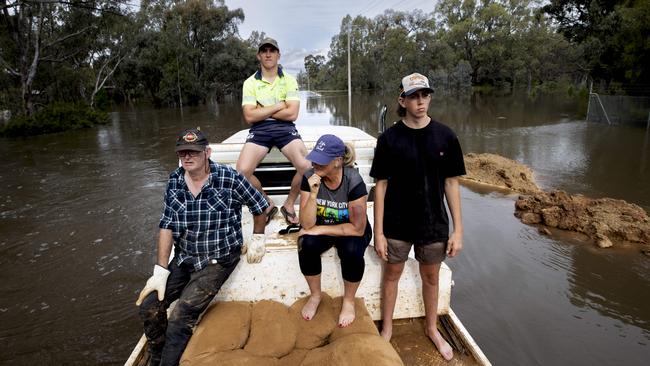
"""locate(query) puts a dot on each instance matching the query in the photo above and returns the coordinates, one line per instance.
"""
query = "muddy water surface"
(79, 213)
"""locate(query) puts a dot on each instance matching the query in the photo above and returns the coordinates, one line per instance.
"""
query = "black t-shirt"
(416, 163)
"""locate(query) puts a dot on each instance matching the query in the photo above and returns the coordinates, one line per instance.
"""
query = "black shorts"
(270, 133)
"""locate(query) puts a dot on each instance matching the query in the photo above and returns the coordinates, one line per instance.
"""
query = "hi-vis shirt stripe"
(268, 101)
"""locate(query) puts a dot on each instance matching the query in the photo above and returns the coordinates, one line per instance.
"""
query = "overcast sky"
(307, 27)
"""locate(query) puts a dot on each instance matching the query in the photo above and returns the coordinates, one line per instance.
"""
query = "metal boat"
(264, 281)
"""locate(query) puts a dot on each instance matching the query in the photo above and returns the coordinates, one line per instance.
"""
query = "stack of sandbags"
(269, 333)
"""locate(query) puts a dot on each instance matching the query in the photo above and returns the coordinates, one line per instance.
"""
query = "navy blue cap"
(327, 148)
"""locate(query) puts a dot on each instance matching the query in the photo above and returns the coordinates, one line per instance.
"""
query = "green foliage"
(186, 52)
(500, 45)
(55, 117)
(612, 37)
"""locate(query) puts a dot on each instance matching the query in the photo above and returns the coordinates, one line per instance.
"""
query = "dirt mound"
(498, 171)
(269, 333)
(605, 219)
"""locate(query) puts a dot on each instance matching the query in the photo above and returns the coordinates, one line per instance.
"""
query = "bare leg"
(347, 307)
(249, 158)
(429, 274)
(309, 310)
(390, 282)
(295, 151)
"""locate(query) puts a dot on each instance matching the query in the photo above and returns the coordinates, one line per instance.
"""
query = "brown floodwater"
(79, 213)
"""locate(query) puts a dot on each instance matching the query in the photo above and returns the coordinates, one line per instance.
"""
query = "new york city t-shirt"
(332, 204)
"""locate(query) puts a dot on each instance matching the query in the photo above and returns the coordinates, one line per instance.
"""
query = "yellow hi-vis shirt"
(256, 90)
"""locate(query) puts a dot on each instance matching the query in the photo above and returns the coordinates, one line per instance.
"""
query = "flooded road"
(79, 214)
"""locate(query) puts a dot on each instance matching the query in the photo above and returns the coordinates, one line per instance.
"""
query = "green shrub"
(55, 117)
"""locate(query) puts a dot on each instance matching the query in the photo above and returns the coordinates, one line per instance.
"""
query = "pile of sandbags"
(269, 333)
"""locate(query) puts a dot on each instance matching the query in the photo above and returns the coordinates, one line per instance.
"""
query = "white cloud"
(307, 27)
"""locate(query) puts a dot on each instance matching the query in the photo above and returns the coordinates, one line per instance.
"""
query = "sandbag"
(315, 332)
(354, 350)
(362, 322)
(294, 358)
(273, 330)
(224, 326)
(238, 357)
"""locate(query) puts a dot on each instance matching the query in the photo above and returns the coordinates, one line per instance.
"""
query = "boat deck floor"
(415, 348)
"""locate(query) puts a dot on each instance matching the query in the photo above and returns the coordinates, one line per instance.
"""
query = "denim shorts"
(270, 133)
(431, 253)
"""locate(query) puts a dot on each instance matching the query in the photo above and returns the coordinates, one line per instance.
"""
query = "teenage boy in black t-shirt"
(417, 163)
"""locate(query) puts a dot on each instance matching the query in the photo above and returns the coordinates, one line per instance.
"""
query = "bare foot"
(386, 333)
(347, 313)
(309, 310)
(441, 344)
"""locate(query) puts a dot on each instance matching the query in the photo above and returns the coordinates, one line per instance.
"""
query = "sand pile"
(498, 171)
(269, 333)
(604, 220)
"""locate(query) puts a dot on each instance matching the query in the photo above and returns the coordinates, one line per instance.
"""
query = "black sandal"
(271, 213)
(288, 215)
(292, 228)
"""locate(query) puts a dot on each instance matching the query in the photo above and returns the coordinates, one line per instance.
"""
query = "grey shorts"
(432, 253)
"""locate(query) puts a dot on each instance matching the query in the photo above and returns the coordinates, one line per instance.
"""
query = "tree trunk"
(99, 81)
(27, 79)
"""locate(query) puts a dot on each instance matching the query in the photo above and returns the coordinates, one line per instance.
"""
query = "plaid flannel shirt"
(208, 227)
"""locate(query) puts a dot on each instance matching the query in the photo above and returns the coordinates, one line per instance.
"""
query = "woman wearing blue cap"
(333, 213)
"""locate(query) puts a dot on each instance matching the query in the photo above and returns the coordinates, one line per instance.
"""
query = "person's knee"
(352, 272)
(429, 279)
(302, 165)
(185, 315)
(392, 273)
(309, 244)
(245, 169)
(351, 248)
(150, 307)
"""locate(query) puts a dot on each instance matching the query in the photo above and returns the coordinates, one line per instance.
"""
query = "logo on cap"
(418, 80)
(190, 137)
(320, 146)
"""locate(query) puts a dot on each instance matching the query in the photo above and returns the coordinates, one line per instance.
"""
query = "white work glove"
(157, 282)
(256, 248)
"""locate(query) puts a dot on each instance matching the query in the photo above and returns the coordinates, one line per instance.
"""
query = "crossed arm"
(283, 111)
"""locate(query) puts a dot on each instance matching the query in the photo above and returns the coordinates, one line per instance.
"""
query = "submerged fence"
(619, 109)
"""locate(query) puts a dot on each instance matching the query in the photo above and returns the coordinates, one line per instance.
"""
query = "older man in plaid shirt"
(202, 220)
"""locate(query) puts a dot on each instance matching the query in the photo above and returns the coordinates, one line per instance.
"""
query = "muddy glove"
(157, 283)
(256, 248)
